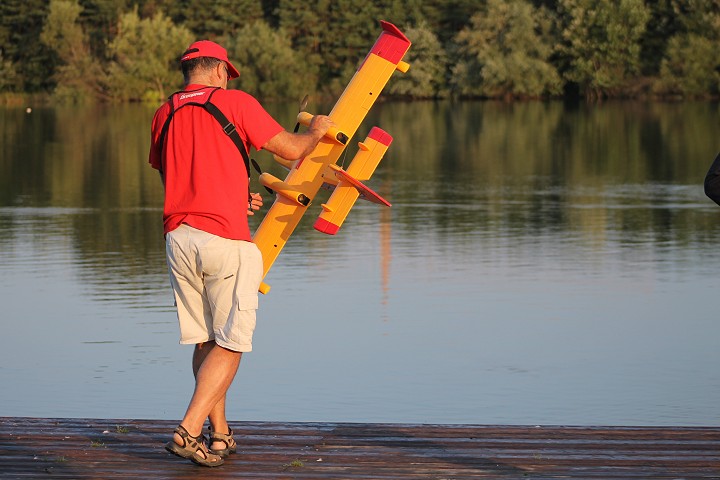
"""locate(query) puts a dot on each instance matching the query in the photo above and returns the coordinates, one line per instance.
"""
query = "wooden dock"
(110, 449)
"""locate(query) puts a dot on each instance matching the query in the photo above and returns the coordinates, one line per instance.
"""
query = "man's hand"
(293, 146)
(320, 124)
(254, 203)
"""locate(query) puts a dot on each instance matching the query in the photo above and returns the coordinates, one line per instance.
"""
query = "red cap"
(206, 48)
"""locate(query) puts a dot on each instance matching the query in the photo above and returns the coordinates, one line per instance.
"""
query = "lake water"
(542, 263)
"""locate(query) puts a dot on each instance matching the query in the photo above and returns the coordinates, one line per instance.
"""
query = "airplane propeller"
(259, 171)
(303, 104)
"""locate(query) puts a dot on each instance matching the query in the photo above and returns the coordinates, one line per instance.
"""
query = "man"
(712, 181)
(215, 269)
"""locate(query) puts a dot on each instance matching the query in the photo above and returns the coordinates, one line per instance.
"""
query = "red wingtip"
(391, 44)
(389, 27)
(322, 225)
(381, 136)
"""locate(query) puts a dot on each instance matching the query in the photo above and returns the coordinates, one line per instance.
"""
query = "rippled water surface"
(541, 264)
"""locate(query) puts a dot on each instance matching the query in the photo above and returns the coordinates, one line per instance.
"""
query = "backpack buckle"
(229, 129)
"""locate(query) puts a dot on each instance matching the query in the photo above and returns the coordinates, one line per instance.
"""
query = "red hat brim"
(206, 48)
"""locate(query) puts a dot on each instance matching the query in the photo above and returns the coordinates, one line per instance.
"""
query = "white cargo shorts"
(215, 281)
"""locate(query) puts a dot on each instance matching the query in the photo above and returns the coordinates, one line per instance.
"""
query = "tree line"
(127, 50)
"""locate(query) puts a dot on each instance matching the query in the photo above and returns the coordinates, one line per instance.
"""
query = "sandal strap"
(184, 435)
(226, 438)
(214, 434)
(194, 448)
(189, 440)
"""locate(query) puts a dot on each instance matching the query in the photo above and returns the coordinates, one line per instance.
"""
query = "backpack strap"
(227, 126)
(229, 129)
(166, 125)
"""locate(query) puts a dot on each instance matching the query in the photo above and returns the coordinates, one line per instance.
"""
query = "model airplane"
(318, 169)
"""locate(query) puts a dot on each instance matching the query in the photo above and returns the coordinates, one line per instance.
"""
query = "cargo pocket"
(247, 304)
(248, 301)
(237, 333)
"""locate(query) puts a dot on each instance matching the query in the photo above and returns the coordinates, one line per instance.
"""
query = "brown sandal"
(193, 448)
(227, 439)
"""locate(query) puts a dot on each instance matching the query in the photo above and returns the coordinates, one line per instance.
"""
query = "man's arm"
(292, 146)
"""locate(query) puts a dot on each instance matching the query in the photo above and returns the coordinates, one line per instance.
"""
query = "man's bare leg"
(218, 419)
(216, 370)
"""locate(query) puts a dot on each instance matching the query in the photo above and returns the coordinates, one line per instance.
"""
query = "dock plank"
(119, 449)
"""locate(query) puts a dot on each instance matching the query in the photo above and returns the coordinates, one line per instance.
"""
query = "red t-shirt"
(206, 184)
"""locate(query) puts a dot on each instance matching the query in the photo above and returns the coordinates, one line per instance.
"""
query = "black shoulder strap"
(227, 126)
(163, 131)
(229, 129)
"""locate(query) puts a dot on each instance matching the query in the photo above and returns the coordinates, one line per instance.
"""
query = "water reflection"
(541, 263)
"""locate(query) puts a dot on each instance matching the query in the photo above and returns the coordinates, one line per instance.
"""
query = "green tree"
(447, 17)
(695, 16)
(601, 42)
(691, 65)
(663, 24)
(504, 52)
(271, 12)
(21, 22)
(145, 56)
(304, 27)
(79, 76)
(99, 19)
(149, 8)
(428, 63)
(602, 48)
(348, 39)
(404, 12)
(217, 19)
(8, 74)
(335, 41)
(269, 67)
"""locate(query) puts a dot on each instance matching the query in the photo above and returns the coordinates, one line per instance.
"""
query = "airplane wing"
(349, 187)
(296, 192)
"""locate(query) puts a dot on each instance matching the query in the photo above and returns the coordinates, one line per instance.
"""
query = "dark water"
(542, 264)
